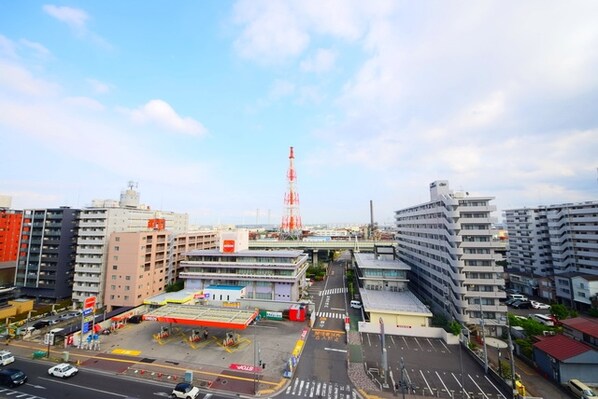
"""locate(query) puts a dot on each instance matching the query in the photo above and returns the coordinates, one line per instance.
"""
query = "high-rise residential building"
(139, 263)
(96, 223)
(46, 258)
(450, 244)
(10, 229)
(551, 240)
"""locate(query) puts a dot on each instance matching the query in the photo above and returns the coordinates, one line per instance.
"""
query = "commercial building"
(97, 223)
(46, 258)
(451, 246)
(547, 241)
(382, 289)
(140, 263)
(270, 275)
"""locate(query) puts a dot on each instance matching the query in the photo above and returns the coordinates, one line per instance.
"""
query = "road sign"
(87, 312)
(86, 327)
(89, 302)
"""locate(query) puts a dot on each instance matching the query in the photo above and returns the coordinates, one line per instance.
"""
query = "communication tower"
(291, 221)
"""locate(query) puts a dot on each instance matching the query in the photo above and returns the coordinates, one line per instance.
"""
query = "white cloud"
(7, 47)
(38, 48)
(322, 61)
(85, 102)
(73, 17)
(20, 81)
(271, 32)
(99, 87)
(281, 88)
(160, 112)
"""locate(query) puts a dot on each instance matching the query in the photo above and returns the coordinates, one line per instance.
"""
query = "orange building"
(10, 230)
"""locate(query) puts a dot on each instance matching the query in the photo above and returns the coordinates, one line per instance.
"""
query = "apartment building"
(277, 275)
(451, 246)
(97, 223)
(10, 230)
(141, 264)
(551, 240)
(46, 258)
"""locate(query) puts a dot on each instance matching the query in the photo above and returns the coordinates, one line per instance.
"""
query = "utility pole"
(483, 336)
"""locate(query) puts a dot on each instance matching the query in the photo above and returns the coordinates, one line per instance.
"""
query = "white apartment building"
(551, 240)
(96, 223)
(450, 244)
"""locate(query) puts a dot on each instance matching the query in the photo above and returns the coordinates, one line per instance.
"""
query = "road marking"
(392, 339)
(336, 350)
(84, 387)
(498, 390)
(426, 381)
(476, 384)
(445, 388)
(447, 348)
(431, 344)
(417, 342)
(462, 387)
(343, 309)
(129, 352)
(406, 344)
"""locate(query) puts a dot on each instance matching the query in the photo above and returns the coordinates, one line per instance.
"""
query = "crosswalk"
(331, 315)
(333, 291)
(318, 389)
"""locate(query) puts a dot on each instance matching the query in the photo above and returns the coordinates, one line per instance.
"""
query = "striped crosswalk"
(333, 291)
(317, 389)
(331, 315)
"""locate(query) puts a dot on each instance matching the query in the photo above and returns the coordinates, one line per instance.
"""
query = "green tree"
(560, 311)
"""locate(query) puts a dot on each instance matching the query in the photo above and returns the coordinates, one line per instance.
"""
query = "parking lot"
(430, 367)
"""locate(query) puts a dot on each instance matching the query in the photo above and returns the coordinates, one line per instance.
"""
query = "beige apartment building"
(141, 264)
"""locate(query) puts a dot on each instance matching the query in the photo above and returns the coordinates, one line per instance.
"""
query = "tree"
(560, 311)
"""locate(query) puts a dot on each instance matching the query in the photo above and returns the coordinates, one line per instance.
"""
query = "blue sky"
(199, 103)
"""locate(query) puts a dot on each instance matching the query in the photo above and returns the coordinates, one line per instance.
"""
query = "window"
(114, 267)
(116, 248)
(127, 278)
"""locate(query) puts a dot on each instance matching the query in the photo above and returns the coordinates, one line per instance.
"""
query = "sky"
(198, 102)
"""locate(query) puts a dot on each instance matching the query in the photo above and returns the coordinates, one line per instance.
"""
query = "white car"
(6, 358)
(63, 370)
(185, 390)
(540, 305)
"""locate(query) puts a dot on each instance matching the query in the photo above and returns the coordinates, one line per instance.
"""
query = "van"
(520, 297)
(581, 390)
(6, 358)
(12, 377)
(542, 318)
(355, 304)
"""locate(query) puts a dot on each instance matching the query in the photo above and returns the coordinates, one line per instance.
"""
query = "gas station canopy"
(202, 316)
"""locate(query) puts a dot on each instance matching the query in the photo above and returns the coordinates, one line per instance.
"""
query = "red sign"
(244, 367)
(89, 302)
(228, 245)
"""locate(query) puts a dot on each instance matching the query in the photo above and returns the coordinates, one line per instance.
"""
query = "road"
(87, 384)
(322, 370)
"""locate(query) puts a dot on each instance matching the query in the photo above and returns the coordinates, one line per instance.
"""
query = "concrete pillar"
(314, 257)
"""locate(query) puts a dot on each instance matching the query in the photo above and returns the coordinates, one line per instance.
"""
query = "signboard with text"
(90, 302)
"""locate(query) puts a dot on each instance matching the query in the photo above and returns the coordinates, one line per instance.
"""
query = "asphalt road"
(87, 384)
(322, 370)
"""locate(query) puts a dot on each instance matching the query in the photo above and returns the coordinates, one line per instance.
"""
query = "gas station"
(228, 319)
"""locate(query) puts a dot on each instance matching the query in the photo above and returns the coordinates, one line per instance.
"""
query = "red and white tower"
(291, 220)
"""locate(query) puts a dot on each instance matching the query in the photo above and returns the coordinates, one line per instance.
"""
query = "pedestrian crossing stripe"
(333, 291)
(331, 315)
(318, 389)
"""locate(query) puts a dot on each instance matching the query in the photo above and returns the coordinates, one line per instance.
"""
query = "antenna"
(291, 221)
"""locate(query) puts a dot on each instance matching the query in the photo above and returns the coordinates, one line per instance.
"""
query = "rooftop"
(586, 326)
(393, 302)
(561, 347)
(383, 261)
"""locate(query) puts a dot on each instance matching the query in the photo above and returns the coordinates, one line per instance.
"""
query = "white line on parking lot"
(392, 339)
(405, 340)
(446, 347)
(445, 388)
(420, 346)
(462, 388)
(476, 384)
(426, 381)
(499, 392)
(431, 344)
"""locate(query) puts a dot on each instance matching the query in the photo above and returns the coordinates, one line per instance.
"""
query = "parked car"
(510, 301)
(63, 370)
(6, 358)
(184, 390)
(522, 305)
(539, 305)
(12, 377)
(41, 324)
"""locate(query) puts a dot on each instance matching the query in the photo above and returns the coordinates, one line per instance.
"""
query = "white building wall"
(450, 244)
